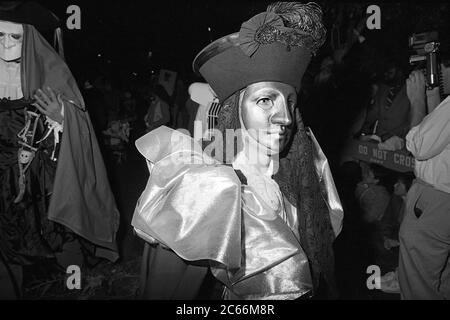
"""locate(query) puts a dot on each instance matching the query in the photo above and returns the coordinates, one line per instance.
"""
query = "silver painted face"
(11, 38)
(267, 111)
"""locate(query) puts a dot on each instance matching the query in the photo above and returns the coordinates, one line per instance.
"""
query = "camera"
(426, 47)
(427, 56)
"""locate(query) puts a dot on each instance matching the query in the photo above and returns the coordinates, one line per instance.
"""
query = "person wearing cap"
(387, 118)
(54, 190)
(263, 223)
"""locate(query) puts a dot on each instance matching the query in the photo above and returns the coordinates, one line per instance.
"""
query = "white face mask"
(11, 37)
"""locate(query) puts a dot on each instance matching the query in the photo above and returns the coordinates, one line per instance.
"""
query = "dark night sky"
(124, 31)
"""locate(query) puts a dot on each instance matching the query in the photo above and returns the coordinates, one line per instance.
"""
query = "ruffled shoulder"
(189, 203)
(163, 141)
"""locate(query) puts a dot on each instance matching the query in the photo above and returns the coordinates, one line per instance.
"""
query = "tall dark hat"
(32, 13)
(28, 13)
(275, 45)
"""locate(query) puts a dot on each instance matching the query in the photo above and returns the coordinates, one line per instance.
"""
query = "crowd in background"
(341, 99)
(373, 196)
(352, 91)
(121, 115)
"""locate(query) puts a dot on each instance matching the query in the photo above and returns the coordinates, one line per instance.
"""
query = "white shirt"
(429, 142)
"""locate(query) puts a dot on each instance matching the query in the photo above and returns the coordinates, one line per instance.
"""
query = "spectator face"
(266, 110)
(11, 37)
(367, 174)
(326, 71)
(115, 125)
(400, 188)
(370, 178)
(392, 75)
(87, 85)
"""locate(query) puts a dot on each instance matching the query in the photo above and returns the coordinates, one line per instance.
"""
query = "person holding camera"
(424, 265)
(387, 119)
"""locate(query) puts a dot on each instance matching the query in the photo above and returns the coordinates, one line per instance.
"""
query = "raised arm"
(431, 134)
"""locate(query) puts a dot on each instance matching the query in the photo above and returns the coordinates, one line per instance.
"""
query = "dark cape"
(74, 191)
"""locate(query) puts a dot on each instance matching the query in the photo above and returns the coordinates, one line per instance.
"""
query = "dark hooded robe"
(64, 198)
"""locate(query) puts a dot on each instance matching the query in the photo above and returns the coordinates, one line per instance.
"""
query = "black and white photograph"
(220, 156)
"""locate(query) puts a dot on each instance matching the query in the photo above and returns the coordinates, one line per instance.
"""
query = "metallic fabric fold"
(328, 187)
(198, 208)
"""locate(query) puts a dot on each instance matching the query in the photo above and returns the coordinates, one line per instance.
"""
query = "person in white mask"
(11, 37)
(54, 192)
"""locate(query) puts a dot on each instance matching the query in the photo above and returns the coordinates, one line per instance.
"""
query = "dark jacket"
(392, 121)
